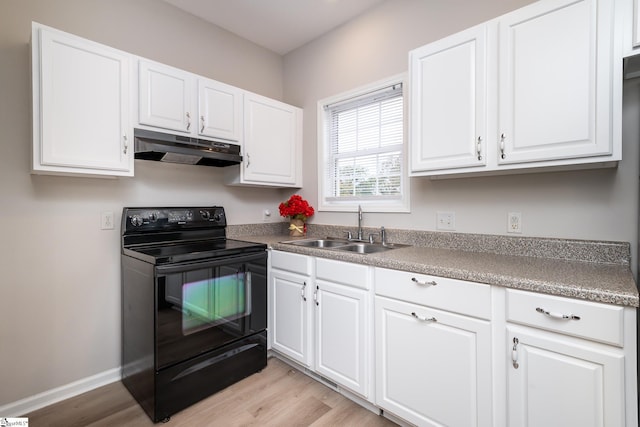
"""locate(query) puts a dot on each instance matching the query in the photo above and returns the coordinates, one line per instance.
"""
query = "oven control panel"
(149, 219)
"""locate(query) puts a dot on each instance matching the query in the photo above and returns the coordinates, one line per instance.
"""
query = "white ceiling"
(278, 25)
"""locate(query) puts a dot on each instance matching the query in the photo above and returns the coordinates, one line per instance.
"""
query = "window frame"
(381, 204)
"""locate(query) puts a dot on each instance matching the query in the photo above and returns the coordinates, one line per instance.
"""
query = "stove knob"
(153, 217)
(205, 214)
(217, 217)
(136, 220)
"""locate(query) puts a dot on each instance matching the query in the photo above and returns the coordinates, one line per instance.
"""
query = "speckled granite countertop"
(608, 282)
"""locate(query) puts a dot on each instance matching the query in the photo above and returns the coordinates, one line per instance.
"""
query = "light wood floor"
(277, 396)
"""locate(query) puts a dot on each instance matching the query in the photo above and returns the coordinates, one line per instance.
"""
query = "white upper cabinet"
(165, 95)
(184, 103)
(630, 21)
(272, 153)
(536, 88)
(448, 102)
(220, 110)
(555, 81)
(636, 23)
(81, 121)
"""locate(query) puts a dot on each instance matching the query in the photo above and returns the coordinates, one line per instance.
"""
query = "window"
(361, 149)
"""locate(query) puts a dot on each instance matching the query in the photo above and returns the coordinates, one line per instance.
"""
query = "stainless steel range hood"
(164, 147)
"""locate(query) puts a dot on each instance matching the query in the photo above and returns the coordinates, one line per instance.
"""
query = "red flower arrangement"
(296, 208)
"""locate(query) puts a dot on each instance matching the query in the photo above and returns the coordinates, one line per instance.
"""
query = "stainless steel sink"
(345, 245)
(364, 248)
(318, 243)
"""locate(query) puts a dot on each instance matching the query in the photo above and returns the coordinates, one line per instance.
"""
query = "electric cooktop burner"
(177, 252)
(179, 234)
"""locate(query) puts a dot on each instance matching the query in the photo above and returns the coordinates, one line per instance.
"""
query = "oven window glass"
(210, 297)
(211, 302)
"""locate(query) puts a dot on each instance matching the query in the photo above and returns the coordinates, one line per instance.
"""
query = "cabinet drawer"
(472, 299)
(345, 273)
(598, 322)
(295, 263)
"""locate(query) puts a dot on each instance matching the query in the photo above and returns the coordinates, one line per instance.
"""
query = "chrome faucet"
(359, 222)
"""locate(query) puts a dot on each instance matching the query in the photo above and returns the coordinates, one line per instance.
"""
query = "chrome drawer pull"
(417, 282)
(557, 315)
(424, 319)
(514, 353)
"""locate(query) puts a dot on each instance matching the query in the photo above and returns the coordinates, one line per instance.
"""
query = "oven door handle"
(215, 262)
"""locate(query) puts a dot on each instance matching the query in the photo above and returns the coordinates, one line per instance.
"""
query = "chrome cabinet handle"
(188, 121)
(248, 161)
(502, 138)
(302, 291)
(514, 353)
(557, 315)
(126, 143)
(417, 282)
(479, 148)
(202, 121)
(424, 319)
(315, 295)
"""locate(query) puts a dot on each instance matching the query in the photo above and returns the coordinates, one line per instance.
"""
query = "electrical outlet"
(266, 215)
(106, 221)
(514, 222)
(446, 221)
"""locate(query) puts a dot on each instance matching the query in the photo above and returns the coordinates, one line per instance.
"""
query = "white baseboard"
(29, 404)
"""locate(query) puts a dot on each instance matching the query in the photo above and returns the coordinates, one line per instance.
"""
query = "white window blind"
(365, 144)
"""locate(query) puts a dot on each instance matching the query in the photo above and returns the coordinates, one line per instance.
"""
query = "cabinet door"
(555, 81)
(636, 24)
(563, 382)
(433, 367)
(81, 106)
(165, 97)
(342, 335)
(272, 141)
(292, 294)
(448, 102)
(219, 107)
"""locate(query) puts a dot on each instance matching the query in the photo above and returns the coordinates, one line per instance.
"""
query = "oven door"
(205, 305)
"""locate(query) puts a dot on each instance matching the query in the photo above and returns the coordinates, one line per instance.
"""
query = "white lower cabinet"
(434, 351)
(433, 367)
(291, 296)
(343, 325)
(321, 321)
(572, 363)
(555, 381)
